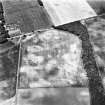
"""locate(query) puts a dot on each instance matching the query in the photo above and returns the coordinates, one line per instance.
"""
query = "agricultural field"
(54, 96)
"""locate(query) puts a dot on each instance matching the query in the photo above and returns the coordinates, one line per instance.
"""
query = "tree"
(3, 32)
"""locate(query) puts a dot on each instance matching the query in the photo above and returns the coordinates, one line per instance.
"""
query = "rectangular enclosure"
(51, 59)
